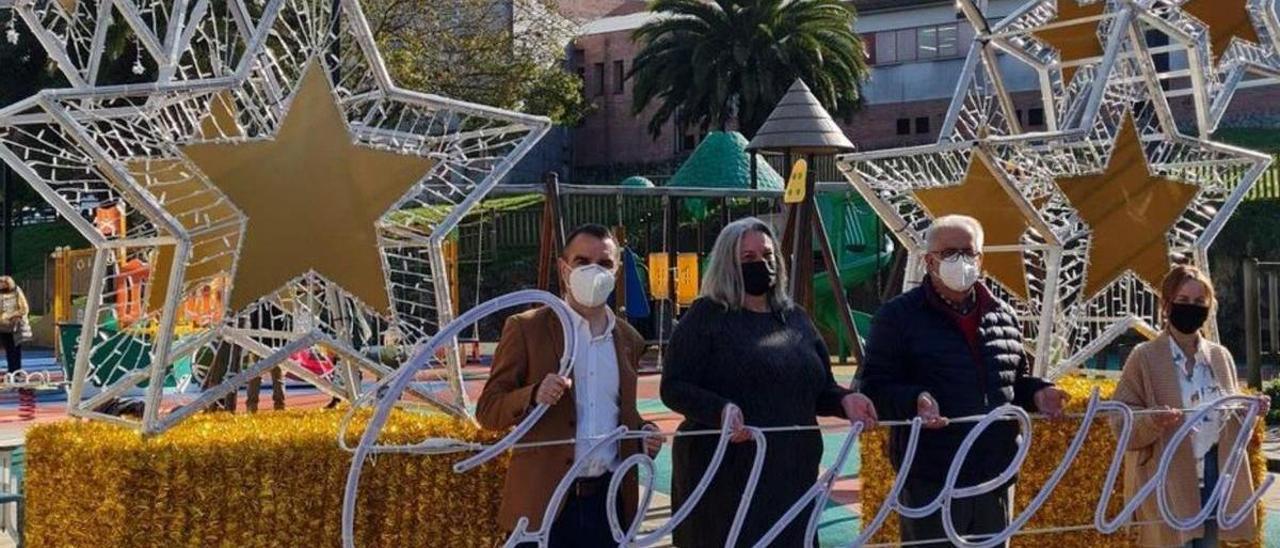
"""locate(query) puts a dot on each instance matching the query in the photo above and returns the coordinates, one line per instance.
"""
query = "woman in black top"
(744, 342)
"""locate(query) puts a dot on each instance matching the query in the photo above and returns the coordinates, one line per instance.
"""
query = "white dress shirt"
(595, 388)
(1199, 389)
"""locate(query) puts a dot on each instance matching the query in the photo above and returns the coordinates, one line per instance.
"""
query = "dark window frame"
(904, 126)
(619, 77)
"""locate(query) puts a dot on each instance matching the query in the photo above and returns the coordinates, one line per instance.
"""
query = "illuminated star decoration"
(1155, 198)
(294, 176)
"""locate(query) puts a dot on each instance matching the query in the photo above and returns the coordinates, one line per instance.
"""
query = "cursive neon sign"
(630, 535)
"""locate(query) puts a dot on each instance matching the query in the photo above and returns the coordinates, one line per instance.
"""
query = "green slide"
(116, 353)
(852, 228)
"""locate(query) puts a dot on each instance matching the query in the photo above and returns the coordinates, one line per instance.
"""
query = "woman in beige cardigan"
(13, 321)
(1182, 370)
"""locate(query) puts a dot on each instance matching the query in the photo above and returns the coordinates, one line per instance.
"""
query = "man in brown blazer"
(599, 396)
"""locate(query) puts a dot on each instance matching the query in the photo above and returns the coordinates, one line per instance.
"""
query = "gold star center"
(312, 198)
(1130, 213)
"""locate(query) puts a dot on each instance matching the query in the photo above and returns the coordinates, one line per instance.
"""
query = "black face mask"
(1188, 318)
(758, 278)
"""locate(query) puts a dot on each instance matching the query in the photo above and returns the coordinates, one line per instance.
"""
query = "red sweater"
(967, 323)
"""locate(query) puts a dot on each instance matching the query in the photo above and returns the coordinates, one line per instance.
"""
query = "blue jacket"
(916, 346)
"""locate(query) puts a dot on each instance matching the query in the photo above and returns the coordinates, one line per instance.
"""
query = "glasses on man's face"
(955, 253)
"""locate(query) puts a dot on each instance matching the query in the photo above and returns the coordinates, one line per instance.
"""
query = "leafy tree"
(504, 54)
(711, 63)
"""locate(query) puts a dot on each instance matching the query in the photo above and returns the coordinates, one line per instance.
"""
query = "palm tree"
(714, 62)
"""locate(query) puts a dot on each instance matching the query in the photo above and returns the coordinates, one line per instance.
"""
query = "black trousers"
(12, 351)
(583, 521)
(987, 514)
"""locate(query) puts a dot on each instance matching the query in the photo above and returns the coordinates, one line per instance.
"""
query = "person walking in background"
(949, 348)
(15, 326)
(1181, 369)
(254, 389)
(598, 397)
(745, 343)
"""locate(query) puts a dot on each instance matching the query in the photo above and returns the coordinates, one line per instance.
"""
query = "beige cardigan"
(13, 303)
(1149, 380)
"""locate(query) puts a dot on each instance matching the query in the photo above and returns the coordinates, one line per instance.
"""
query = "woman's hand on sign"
(927, 410)
(737, 424)
(858, 408)
(653, 444)
(1166, 419)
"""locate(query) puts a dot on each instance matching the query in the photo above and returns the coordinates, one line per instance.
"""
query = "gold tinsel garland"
(271, 479)
(1074, 499)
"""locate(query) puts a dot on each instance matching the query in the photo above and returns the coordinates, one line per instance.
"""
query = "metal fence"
(37, 294)
(1261, 316)
(522, 228)
(1268, 186)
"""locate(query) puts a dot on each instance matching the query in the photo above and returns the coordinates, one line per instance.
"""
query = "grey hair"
(964, 222)
(723, 280)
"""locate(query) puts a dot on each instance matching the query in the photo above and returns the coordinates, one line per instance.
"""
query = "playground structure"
(718, 194)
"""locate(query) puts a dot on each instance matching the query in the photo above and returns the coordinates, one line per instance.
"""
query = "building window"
(904, 126)
(922, 125)
(948, 40)
(886, 48)
(1035, 117)
(926, 42)
(919, 43)
(599, 78)
(619, 76)
(906, 45)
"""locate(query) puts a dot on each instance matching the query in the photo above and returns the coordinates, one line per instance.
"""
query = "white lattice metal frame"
(1066, 326)
(84, 145)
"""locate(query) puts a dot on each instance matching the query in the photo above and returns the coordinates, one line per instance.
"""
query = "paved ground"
(840, 521)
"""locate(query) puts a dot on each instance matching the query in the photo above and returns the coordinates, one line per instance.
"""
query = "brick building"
(916, 50)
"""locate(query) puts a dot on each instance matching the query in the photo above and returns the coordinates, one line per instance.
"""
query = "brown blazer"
(1149, 380)
(530, 349)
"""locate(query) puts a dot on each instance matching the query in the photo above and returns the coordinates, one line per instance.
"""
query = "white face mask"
(959, 274)
(591, 285)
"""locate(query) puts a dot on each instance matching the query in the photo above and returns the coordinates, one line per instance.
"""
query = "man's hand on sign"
(552, 389)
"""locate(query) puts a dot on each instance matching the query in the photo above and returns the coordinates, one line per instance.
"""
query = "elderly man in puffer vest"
(949, 348)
